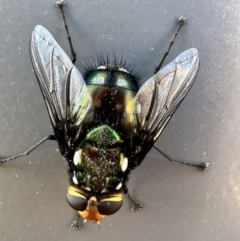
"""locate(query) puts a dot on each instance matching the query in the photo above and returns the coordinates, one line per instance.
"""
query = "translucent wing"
(159, 97)
(63, 88)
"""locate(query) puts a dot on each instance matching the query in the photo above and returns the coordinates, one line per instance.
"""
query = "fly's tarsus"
(60, 4)
(181, 21)
(136, 206)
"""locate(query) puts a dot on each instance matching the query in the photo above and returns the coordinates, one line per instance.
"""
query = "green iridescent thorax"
(103, 136)
(99, 163)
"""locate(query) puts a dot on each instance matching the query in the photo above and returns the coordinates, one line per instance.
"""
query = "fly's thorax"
(98, 169)
(99, 165)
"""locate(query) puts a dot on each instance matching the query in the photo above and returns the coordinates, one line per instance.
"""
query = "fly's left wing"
(63, 88)
(157, 100)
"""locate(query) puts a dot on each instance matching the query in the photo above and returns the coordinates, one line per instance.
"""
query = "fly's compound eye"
(76, 200)
(110, 205)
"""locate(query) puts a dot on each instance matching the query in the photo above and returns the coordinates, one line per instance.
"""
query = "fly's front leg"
(136, 206)
(77, 223)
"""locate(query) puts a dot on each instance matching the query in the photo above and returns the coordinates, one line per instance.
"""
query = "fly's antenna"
(60, 4)
(181, 21)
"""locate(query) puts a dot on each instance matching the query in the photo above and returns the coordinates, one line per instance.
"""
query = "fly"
(103, 120)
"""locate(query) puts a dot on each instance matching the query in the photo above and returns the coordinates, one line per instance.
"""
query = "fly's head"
(92, 206)
(96, 175)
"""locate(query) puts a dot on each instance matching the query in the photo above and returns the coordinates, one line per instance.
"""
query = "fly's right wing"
(63, 88)
(157, 100)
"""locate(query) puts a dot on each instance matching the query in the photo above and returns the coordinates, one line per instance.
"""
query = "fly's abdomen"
(112, 78)
(111, 92)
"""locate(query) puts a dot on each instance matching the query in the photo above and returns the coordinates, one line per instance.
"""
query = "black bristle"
(111, 64)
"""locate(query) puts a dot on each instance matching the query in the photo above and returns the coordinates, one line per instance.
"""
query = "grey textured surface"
(181, 203)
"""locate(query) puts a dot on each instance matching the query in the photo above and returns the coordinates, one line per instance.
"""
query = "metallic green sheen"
(104, 136)
(100, 169)
(101, 151)
(108, 78)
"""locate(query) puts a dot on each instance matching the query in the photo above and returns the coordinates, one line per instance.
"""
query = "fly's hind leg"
(181, 21)
(61, 4)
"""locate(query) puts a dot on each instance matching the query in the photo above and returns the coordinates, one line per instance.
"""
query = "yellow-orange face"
(92, 207)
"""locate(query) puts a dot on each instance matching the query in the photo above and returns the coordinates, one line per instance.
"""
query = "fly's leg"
(203, 165)
(76, 224)
(50, 137)
(60, 4)
(181, 22)
(136, 205)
